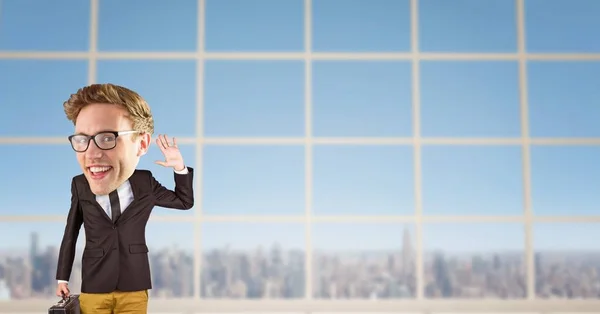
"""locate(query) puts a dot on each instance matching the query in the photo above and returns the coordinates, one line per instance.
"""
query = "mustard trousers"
(117, 302)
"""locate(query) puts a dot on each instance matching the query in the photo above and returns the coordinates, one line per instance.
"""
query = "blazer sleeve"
(66, 253)
(181, 198)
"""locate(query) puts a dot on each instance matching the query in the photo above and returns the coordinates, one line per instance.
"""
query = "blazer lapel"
(88, 196)
(137, 189)
(136, 185)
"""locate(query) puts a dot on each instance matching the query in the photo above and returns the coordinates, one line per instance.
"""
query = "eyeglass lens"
(103, 140)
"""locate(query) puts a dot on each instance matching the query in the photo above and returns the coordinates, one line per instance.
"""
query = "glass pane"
(253, 180)
(363, 180)
(567, 260)
(28, 262)
(565, 180)
(31, 92)
(361, 25)
(563, 98)
(257, 25)
(171, 255)
(148, 25)
(467, 26)
(363, 261)
(475, 261)
(39, 174)
(362, 98)
(470, 99)
(254, 98)
(169, 87)
(562, 26)
(472, 180)
(28, 25)
(253, 261)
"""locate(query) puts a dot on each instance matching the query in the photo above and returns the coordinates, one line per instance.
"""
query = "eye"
(108, 138)
(80, 140)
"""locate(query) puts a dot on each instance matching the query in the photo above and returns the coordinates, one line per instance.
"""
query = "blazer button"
(114, 227)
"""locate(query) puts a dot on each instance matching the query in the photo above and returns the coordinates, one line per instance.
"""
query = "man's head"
(97, 110)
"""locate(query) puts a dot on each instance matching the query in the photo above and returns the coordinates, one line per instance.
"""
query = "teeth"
(99, 169)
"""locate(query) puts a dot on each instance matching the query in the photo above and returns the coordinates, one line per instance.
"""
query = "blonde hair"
(137, 108)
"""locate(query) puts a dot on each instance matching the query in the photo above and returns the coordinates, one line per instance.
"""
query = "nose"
(93, 151)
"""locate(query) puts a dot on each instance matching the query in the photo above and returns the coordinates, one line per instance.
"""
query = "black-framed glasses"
(104, 140)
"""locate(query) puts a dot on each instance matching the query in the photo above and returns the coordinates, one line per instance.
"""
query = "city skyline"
(278, 272)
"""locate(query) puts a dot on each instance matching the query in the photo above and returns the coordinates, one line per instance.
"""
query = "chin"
(99, 187)
(99, 190)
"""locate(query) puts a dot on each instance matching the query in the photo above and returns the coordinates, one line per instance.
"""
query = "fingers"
(62, 290)
(162, 163)
(163, 142)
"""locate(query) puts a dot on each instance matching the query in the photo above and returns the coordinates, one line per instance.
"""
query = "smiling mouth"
(99, 172)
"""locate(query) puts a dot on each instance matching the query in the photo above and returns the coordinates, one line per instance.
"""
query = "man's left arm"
(183, 195)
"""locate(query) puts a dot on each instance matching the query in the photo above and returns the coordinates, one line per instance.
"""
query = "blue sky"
(251, 98)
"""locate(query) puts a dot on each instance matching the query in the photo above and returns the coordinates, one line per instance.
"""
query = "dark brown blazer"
(116, 255)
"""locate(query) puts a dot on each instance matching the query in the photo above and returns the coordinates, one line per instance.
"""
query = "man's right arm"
(66, 254)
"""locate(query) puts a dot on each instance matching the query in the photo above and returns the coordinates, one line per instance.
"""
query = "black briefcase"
(68, 305)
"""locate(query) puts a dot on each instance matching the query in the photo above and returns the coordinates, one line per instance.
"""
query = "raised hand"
(171, 152)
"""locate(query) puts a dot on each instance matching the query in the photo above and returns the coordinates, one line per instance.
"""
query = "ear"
(144, 144)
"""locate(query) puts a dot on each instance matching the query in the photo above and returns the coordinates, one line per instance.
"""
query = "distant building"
(4, 291)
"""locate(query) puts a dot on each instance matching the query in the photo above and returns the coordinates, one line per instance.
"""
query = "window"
(561, 26)
(474, 261)
(142, 26)
(564, 180)
(253, 261)
(467, 26)
(363, 180)
(362, 98)
(40, 179)
(28, 25)
(169, 87)
(563, 263)
(361, 25)
(562, 98)
(266, 180)
(472, 180)
(470, 99)
(349, 155)
(254, 98)
(30, 89)
(257, 25)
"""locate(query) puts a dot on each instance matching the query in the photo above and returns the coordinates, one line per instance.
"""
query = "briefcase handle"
(63, 301)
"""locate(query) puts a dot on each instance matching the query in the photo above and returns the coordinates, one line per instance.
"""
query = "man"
(113, 200)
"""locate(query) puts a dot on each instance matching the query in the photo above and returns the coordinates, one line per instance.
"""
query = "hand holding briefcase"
(67, 305)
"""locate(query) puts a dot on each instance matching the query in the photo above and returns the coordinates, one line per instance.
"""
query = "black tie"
(115, 206)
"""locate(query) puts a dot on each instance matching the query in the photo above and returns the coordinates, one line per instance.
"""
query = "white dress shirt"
(125, 198)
